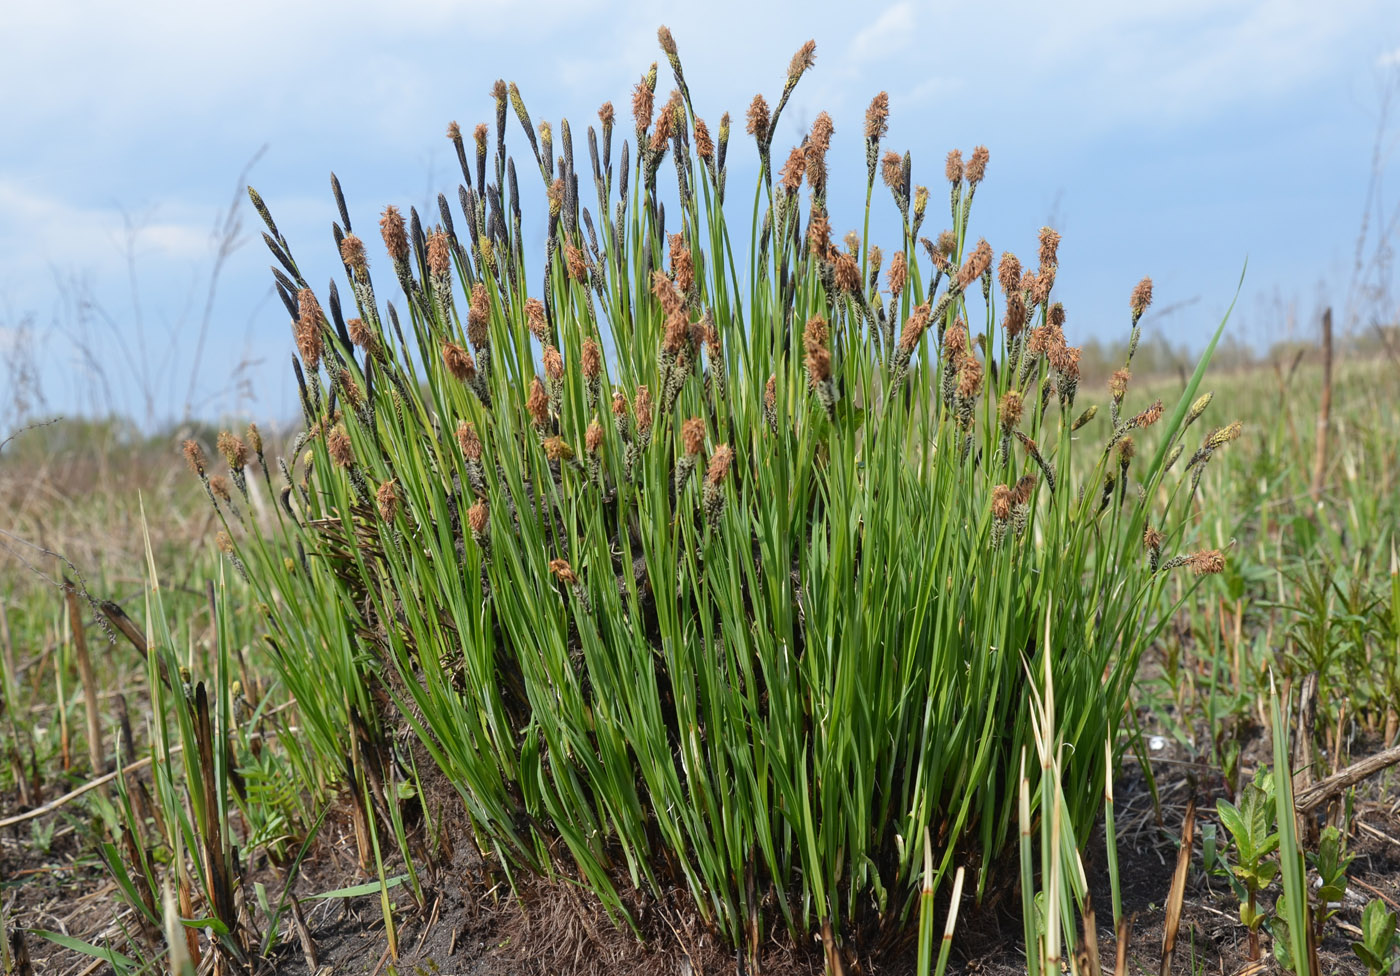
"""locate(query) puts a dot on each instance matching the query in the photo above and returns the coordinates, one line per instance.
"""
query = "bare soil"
(470, 922)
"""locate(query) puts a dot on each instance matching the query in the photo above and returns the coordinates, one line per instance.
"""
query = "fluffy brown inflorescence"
(1001, 502)
(557, 449)
(395, 234)
(641, 406)
(553, 363)
(194, 456)
(469, 441)
(847, 273)
(953, 168)
(537, 403)
(819, 238)
(667, 42)
(976, 264)
(877, 117)
(387, 498)
(914, 327)
(308, 328)
(478, 516)
(892, 170)
(818, 356)
(578, 265)
(339, 446)
(1009, 409)
(352, 252)
(1207, 562)
(478, 316)
(704, 145)
(897, 275)
(803, 60)
(643, 99)
(535, 320)
(361, 334)
(818, 143)
(1118, 382)
(667, 122)
(693, 435)
(758, 121)
(1049, 248)
(720, 461)
(591, 359)
(219, 486)
(1149, 416)
(1141, 298)
(233, 449)
(969, 377)
(791, 174)
(439, 254)
(977, 165)
(1009, 274)
(458, 361)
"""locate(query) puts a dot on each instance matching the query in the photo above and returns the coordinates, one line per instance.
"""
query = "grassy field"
(794, 619)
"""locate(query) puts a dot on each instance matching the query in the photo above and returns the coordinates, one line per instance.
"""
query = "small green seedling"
(1253, 831)
(1331, 863)
(1377, 948)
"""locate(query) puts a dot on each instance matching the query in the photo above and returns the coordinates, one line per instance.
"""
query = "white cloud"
(889, 32)
(42, 231)
(1390, 59)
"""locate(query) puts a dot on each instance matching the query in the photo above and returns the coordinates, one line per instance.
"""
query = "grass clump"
(712, 562)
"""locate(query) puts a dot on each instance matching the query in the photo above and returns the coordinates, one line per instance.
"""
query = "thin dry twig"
(1333, 786)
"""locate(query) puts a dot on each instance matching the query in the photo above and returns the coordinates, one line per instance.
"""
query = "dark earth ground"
(470, 924)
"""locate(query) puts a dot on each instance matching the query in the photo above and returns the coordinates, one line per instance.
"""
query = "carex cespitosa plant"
(708, 558)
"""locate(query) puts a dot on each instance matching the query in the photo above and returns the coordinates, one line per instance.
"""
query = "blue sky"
(1165, 137)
